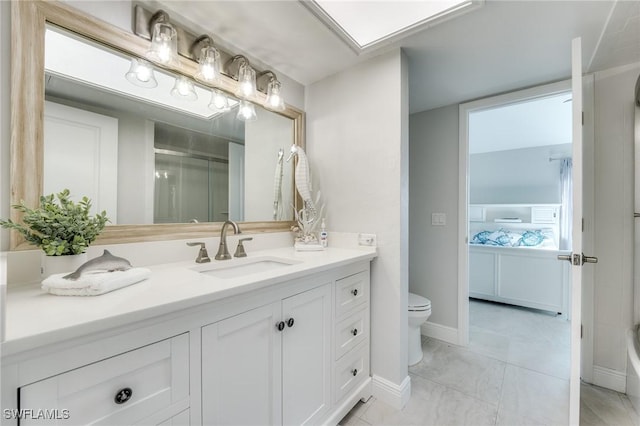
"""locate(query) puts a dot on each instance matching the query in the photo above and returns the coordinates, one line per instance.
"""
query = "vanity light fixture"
(164, 39)
(274, 101)
(184, 89)
(219, 101)
(208, 59)
(246, 111)
(239, 68)
(141, 74)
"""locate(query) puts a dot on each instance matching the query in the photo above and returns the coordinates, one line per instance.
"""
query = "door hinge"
(583, 118)
(581, 331)
(583, 224)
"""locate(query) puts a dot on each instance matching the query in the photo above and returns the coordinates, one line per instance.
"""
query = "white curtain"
(566, 197)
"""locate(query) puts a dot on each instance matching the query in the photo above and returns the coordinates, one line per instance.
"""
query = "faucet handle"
(203, 256)
(240, 249)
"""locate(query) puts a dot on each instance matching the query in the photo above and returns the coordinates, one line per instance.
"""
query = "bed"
(519, 266)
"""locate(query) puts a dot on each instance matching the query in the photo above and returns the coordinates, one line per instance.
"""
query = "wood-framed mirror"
(30, 22)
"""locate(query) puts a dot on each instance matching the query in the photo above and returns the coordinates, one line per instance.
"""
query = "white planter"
(60, 264)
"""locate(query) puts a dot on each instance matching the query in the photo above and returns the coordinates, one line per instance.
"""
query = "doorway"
(498, 275)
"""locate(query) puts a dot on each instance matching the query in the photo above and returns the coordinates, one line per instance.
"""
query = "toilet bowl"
(419, 312)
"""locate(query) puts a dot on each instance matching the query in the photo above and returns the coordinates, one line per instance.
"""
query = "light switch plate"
(438, 219)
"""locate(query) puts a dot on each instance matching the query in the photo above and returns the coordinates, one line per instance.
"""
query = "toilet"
(419, 312)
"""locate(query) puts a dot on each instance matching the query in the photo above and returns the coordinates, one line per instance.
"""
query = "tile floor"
(515, 371)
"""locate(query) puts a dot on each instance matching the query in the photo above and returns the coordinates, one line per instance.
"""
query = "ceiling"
(502, 46)
(536, 122)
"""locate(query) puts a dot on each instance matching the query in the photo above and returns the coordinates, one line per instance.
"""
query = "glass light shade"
(219, 102)
(184, 89)
(141, 74)
(274, 99)
(209, 64)
(246, 111)
(164, 44)
(246, 81)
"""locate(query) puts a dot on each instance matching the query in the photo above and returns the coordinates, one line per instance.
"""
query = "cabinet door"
(241, 369)
(306, 356)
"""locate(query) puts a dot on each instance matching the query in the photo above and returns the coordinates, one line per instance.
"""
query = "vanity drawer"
(351, 291)
(121, 390)
(351, 370)
(351, 331)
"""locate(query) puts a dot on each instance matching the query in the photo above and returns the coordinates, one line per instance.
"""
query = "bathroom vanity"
(289, 345)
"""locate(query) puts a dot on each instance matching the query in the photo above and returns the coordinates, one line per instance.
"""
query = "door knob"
(280, 325)
(578, 259)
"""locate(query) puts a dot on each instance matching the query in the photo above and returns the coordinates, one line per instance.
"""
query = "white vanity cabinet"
(289, 350)
(270, 365)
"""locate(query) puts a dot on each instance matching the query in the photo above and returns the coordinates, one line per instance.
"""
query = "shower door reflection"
(190, 188)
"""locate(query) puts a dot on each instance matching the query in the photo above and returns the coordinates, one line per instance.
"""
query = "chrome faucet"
(223, 252)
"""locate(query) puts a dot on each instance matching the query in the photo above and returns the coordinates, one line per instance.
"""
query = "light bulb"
(274, 100)
(246, 111)
(246, 81)
(209, 64)
(219, 102)
(164, 44)
(184, 89)
(141, 74)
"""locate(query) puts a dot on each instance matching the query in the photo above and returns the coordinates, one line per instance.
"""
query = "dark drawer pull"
(354, 331)
(280, 325)
(354, 372)
(290, 322)
(354, 291)
(123, 395)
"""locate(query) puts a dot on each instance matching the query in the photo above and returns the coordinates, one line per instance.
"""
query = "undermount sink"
(240, 267)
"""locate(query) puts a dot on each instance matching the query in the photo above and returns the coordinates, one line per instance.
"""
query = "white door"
(81, 154)
(241, 369)
(577, 258)
(306, 356)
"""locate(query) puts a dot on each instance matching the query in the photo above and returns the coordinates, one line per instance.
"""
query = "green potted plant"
(60, 227)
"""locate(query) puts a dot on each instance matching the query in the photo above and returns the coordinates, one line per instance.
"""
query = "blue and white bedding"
(515, 238)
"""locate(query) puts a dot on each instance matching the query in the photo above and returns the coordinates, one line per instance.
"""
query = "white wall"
(614, 126)
(433, 188)
(516, 176)
(357, 143)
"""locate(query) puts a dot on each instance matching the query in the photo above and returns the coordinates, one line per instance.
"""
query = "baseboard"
(610, 379)
(388, 392)
(440, 332)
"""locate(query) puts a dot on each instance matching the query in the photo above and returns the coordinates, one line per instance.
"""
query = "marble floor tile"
(599, 406)
(544, 357)
(433, 404)
(536, 396)
(513, 373)
(458, 368)
(486, 342)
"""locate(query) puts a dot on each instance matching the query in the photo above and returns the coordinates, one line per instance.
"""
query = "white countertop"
(35, 318)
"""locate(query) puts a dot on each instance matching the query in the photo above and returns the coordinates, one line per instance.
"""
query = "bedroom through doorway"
(519, 216)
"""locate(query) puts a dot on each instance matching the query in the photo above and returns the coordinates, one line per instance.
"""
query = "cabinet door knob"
(123, 395)
(280, 325)
(290, 322)
(354, 372)
(354, 331)
(354, 291)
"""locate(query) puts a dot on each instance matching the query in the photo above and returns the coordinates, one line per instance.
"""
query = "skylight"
(364, 24)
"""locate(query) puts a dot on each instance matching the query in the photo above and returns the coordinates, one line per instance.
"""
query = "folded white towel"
(94, 283)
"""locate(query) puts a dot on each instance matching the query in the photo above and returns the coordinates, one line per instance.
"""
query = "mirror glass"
(146, 156)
